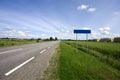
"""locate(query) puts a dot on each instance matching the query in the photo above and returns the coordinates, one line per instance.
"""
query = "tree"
(51, 38)
(38, 39)
(56, 38)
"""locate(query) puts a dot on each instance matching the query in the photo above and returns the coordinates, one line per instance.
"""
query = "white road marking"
(11, 51)
(11, 71)
(42, 51)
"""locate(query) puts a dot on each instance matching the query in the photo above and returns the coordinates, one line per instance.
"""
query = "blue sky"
(58, 18)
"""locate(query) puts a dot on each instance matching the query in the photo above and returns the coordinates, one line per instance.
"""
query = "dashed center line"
(42, 51)
(11, 51)
(14, 69)
(11, 71)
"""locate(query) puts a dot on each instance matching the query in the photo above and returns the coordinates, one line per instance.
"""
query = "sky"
(58, 18)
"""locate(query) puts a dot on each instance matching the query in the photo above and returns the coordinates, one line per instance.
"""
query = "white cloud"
(1, 29)
(82, 7)
(7, 27)
(31, 23)
(22, 33)
(67, 31)
(94, 34)
(105, 30)
(92, 9)
(44, 36)
(116, 13)
(86, 7)
(13, 33)
(101, 29)
(116, 35)
(57, 31)
(85, 28)
(65, 34)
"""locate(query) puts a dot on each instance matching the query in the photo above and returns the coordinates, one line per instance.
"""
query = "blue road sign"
(82, 31)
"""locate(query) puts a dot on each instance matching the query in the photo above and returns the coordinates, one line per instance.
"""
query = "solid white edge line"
(11, 50)
(43, 51)
(11, 71)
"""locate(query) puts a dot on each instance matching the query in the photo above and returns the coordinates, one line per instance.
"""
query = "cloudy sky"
(58, 18)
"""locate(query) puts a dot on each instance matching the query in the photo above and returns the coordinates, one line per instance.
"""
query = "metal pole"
(87, 42)
(76, 41)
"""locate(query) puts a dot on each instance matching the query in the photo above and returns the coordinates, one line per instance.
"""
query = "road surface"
(26, 62)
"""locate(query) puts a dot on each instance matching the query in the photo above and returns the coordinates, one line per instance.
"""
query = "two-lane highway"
(25, 62)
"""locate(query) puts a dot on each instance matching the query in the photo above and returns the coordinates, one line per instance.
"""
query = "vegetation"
(51, 72)
(38, 40)
(74, 64)
(56, 38)
(51, 39)
(106, 52)
(117, 39)
(15, 41)
(12, 42)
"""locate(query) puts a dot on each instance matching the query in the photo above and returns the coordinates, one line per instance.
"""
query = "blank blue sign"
(82, 31)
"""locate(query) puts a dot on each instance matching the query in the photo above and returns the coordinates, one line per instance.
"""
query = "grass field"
(111, 49)
(106, 52)
(74, 64)
(8, 42)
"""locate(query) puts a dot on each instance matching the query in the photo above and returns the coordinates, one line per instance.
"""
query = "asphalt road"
(26, 62)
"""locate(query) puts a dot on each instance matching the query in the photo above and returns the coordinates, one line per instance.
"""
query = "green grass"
(107, 48)
(51, 72)
(8, 42)
(106, 52)
(74, 64)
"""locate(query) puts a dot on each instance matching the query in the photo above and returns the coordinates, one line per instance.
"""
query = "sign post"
(76, 40)
(82, 32)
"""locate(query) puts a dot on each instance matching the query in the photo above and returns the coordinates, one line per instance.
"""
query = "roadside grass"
(8, 42)
(106, 52)
(73, 64)
(107, 48)
(51, 72)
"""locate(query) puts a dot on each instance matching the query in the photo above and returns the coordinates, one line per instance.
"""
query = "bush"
(12, 44)
(37, 40)
(117, 39)
(1, 44)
